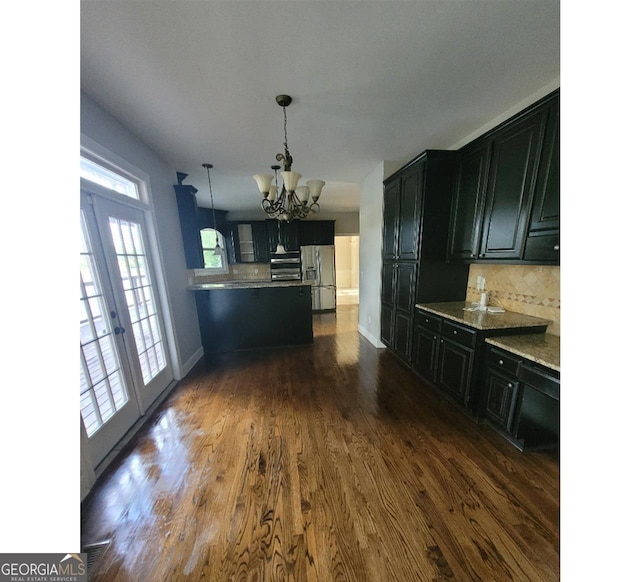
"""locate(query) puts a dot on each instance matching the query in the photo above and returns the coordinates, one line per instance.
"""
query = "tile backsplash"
(530, 289)
(237, 272)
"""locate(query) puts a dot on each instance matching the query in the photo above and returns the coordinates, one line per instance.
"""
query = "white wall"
(105, 130)
(371, 202)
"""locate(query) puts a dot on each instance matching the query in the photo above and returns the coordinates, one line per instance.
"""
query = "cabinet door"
(468, 201)
(514, 161)
(287, 232)
(188, 215)
(454, 370)
(390, 217)
(317, 232)
(386, 325)
(388, 284)
(405, 290)
(425, 352)
(412, 186)
(501, 399)
(543, 242)
(260, 244)
(402, 335)
(291, 235)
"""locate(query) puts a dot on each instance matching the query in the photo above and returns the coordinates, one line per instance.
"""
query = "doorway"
(347, 269)
(124, 355)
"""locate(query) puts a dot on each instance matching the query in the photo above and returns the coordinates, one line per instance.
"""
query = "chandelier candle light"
(293, 200)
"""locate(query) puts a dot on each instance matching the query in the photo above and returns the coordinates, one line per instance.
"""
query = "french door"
(124, 364)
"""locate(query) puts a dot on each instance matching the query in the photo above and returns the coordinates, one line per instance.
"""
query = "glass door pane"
(106, 407)
(127, 250)
(136, 283)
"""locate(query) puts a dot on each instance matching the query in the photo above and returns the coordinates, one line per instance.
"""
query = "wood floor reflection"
(321, 463)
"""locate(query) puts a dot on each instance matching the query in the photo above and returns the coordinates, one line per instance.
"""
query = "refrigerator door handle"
(319, 263)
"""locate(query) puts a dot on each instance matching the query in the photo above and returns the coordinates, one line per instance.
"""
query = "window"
(213, 250)
(108, 179)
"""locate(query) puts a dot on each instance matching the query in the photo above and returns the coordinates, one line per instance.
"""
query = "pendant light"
(217, 251)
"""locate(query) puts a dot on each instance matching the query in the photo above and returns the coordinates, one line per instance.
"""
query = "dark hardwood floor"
(326, 462)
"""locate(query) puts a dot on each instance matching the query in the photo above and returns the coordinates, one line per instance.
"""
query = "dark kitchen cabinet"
(249, 242)
(522, 400)
(543, 239)
(468, 201)
(241, 319)
(497, 192)
(501, 388)
(317, 232)
(451, 356)
(514, 159)
(286, 232)
(444, 354)
(188, 215)
(402, 203)
(398, 300)
(416, 210)
(426, 344)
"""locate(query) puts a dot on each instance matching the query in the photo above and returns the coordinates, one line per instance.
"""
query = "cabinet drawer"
(543, 246)
(459, 334)
(507, 363)
(427, 320)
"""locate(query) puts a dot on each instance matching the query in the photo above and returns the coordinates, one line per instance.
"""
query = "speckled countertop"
(247, 285)
(542, 348)
(482, 320)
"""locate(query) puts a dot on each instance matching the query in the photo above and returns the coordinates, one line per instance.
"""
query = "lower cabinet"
(486, 382)
(397, 306)
(242, 319)
(445, 354)
(522, 400)
(501, 388)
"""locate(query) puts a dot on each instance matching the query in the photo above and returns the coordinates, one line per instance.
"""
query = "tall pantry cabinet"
(417, 201)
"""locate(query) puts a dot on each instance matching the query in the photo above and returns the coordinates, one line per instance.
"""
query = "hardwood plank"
(320, 463)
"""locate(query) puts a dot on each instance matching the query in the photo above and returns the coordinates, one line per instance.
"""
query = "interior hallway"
(324, 462)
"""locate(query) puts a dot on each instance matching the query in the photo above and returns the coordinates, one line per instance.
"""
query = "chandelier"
(292, 201)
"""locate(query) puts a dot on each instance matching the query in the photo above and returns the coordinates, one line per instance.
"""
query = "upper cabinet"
(543, 240)
(506, 198)
(468, 201)
(402, 209)
(287, 233)
(317, 232)
(188, 215)
(249, 242)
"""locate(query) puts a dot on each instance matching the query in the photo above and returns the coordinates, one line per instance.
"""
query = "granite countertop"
(482, 320)
(258, 284)
(542, 348)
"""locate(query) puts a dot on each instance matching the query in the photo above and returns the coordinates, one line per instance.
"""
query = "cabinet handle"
(473, 255)
(510, 385)
(500, 362)
(556, 247)
(435, 337)
(455, 332)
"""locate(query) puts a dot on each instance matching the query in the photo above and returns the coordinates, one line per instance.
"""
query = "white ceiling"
(371, 81)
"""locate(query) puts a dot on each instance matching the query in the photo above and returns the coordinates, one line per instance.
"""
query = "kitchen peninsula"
(244, 314)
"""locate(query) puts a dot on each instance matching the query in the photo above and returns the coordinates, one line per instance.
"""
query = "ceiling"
(370, 81)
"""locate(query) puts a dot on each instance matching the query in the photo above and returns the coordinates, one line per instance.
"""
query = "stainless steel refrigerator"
(319, 266)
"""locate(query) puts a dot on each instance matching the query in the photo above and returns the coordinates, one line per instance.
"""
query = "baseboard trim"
(370, 338)
(191, 362)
